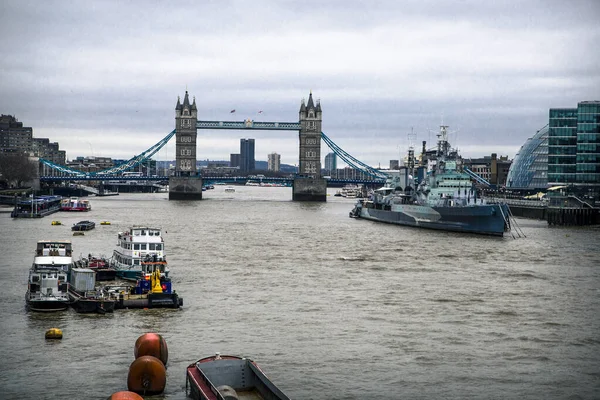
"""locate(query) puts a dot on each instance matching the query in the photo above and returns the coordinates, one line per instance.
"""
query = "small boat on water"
(56, 223)
(83, 226)
(75, 204)
(140, 251)
(229, 377)
(104, 222)
(36, 206)
(47, 288)
(229, 189)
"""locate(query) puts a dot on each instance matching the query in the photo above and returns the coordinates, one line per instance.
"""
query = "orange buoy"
(152, 344)
(147, 376)
(125, 395)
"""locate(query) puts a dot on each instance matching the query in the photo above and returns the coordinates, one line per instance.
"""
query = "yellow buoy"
(54, 333)
(56, 223)
(105, 223)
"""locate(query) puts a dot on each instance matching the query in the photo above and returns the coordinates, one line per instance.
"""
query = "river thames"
(330, 307)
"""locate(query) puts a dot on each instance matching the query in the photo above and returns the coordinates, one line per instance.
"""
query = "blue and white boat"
(444, 198)
(140, 251)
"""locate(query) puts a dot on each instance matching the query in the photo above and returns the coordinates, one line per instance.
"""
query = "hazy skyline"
(102, 77)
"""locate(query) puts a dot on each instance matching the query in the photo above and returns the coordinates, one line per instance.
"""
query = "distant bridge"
(112, 179)
(113, 172)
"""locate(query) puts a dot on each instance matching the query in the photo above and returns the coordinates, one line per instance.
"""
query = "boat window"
(136, 246)
(62, 277)
(143, 233)
(136, 262)
(35, 278)
(158, 246)
(136, 233)
(143, 246)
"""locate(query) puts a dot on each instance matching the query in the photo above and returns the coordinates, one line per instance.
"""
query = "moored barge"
(229, 377)
(36, 206)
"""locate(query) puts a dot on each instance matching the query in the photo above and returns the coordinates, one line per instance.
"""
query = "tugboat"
(140, 251)
(47, 288)
(443, 199)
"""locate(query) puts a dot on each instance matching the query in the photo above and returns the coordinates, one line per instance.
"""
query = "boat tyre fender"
(228, 392)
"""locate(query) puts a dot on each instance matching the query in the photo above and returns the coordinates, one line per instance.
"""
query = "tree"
(17, 168)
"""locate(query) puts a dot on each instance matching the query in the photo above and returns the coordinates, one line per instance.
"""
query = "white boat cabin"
(138, 244)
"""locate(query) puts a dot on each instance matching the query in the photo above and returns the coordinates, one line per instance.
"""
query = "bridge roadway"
(208, 179)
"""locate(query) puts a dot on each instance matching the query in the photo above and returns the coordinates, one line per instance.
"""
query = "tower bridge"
(186, 182)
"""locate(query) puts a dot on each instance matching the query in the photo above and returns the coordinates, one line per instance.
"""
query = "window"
(136, 246)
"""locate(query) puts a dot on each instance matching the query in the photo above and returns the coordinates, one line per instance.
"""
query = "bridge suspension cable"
(352, 161)
(132, 162)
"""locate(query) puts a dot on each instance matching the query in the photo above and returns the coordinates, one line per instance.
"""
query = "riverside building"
(574, 147)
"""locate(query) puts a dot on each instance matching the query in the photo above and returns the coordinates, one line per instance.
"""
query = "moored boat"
(84, 297)
(83, 226)
(47, 288)
(229, 377)
(444, 198)
(155, 292)
(140, 251)
(75, 204)
(101, 267)
(36, 206)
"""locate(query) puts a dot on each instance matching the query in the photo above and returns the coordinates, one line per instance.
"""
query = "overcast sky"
(102, 77)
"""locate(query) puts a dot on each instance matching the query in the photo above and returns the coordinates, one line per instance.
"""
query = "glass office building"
(574, 146)
(247, 161)
(529, 168)
(588, 143)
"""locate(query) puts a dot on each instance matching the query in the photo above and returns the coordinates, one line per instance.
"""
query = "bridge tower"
(308, 185)
(186, 183)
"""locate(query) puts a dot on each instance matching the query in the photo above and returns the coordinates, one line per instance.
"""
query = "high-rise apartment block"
(273, 162)
(14, 137)
(330, 163)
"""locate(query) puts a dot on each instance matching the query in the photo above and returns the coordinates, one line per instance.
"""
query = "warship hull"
(489, 219)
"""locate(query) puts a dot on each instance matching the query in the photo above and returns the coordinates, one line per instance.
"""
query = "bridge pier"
(185, 188)
(309, 189)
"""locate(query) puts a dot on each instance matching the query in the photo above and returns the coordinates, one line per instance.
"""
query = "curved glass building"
(529, 169)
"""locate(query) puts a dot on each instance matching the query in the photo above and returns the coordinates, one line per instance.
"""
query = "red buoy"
(125, 395)
(147, 376)
(152, 344)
